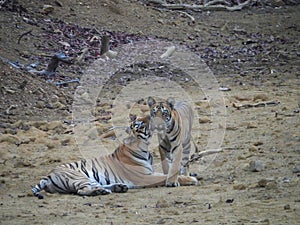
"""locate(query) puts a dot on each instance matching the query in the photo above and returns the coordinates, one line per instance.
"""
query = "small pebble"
(296, 169)
(256, 166)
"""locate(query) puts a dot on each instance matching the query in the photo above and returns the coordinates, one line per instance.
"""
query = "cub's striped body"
(173, 121)
(129, 166)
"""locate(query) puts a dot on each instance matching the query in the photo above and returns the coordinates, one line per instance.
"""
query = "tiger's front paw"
(172, 184)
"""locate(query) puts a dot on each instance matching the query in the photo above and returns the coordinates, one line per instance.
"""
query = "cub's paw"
(119, 188)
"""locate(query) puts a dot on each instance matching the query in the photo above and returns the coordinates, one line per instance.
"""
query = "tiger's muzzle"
(158, 125)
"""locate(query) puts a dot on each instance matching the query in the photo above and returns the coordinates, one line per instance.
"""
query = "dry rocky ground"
(254, 52)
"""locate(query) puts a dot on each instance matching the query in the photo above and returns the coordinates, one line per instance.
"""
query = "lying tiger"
(173, 121)
(129, 166)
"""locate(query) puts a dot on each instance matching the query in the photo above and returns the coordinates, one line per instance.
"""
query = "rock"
(47, 9)
(17, 124)
(161, 203)
(204, 119)
(253, 149)
(262, 183)
(239, 187)
(11, 139)
(257, 143)
(251, 125)
(54, 125)
(58, 105)
(296, 169)
(271, 184)
(260, 97)
(268, 184)
(256, 166)
(287, 207)
(37, 124)
(40, 104)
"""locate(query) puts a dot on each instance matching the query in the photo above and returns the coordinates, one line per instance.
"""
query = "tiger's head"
(140, 127)
(161, 114)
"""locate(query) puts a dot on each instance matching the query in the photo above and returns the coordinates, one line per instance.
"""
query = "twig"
(202, 154)
(111, 131)
(60, 83)
(22, 35)
(108, 134)
(260, 104)
(168, 53)
(213, 2)
(188, 15)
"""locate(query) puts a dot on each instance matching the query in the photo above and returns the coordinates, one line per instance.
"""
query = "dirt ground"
(253, 52)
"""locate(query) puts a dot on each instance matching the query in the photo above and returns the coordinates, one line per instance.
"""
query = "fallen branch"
(199, 155)
(211, 5)
(51, 68)
(111, 131)
(260, 104)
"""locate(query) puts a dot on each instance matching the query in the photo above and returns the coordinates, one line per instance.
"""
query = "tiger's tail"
(39, 187)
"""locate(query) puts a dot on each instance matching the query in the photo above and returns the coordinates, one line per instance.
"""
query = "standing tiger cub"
(173, 122)
(129, 166)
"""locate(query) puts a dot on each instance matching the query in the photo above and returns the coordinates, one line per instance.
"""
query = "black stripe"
(170, 129)
(95, 172)
(83, 168)
(71, 166)
(56, 185)
(175, 148)
(106, 175)
(163, 147)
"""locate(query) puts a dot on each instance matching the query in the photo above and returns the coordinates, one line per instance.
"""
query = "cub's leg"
(164, 151)
(174, 169)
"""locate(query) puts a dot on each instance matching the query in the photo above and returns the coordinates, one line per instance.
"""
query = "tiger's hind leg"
(117, 188)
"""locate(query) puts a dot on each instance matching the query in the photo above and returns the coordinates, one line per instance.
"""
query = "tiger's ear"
(171, 102)
(151, 101)
(132, 117)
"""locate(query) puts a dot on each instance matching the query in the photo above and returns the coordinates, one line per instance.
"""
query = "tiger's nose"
(158, 124)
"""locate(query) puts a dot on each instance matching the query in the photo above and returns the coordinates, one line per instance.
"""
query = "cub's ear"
(151, 101)
(171, 102)
(132, 117)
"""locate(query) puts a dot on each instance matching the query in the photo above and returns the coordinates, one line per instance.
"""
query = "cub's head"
(139, 127)
(161, 113)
